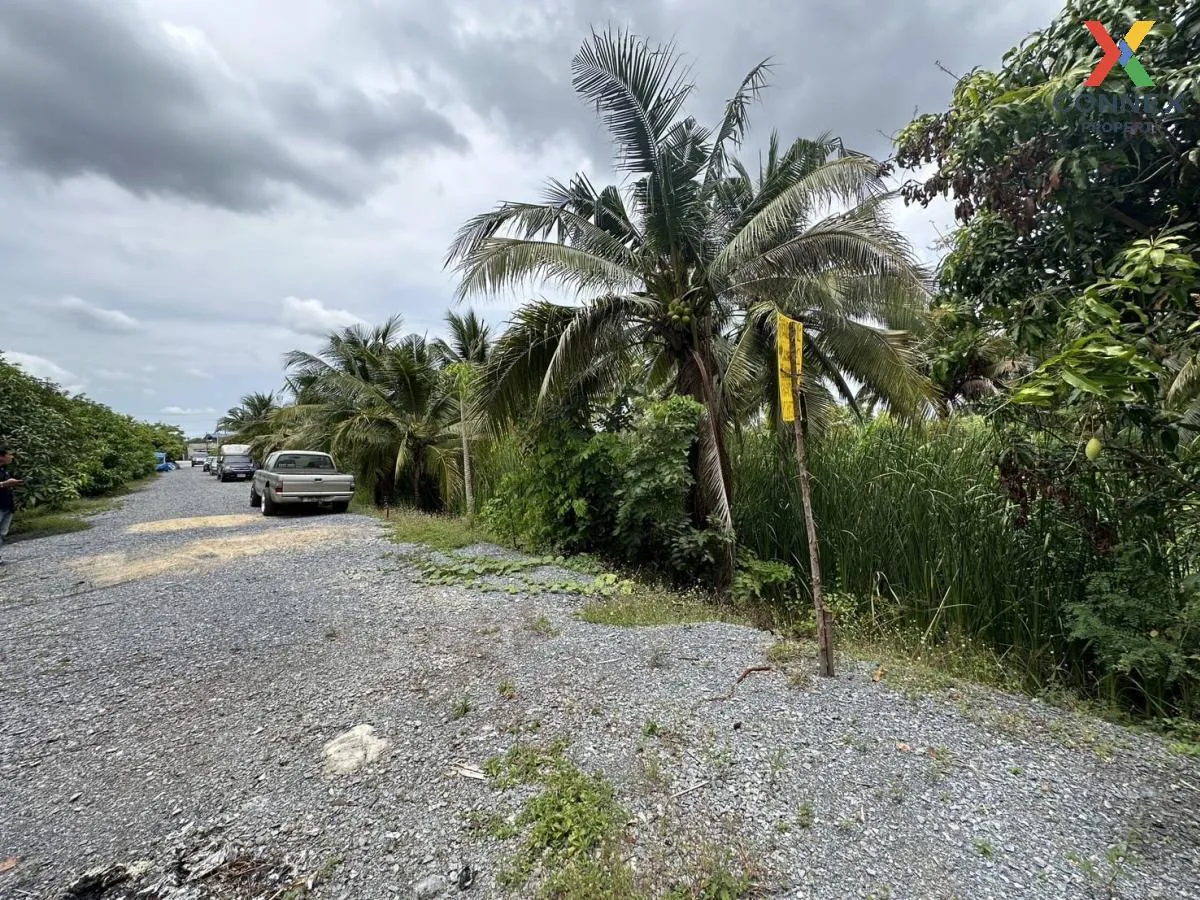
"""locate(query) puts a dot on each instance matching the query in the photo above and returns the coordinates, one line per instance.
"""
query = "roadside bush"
(70, 447)
(561, 496)
(653, 527)
(618, 494)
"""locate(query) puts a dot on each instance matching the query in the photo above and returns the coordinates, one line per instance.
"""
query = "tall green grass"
(915, 533)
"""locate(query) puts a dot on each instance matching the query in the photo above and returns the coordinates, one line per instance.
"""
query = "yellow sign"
(789, 336)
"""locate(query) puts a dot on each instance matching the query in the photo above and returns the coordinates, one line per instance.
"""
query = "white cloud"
(91, 316)
(198, 373)
(187, 411)
(113, 375)
(195, 42)
(40, 367)
(313, 317)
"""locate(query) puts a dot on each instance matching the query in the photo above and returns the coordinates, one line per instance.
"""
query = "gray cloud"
(89, 88)
(370, 128)
(855, 68)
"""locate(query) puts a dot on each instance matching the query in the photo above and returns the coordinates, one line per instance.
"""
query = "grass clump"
(806, 815)
(648, 607)
(543, 626)
(524, 764)
(28, 525)
(34, 525)
(572, 822)
(460, 707)
(408, 526)
(716, 877)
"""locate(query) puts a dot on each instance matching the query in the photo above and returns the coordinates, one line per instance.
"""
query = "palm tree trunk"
(694, 382)
(468, 488)
(799, 425)
(418, 471)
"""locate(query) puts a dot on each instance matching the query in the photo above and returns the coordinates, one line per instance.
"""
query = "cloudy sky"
(192, 187)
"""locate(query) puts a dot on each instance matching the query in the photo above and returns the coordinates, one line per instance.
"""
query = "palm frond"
(637, 88)
(736, 120)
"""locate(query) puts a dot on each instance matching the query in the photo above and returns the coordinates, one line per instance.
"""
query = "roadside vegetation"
(1004, 451)
(74, 454)
(72, 515)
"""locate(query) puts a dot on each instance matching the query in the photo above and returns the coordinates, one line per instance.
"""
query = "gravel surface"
(167, 689)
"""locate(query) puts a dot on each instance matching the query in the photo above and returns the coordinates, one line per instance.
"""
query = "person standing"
(7, 501)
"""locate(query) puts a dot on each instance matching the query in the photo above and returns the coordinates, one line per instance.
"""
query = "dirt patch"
(108, 569)
(164, 526)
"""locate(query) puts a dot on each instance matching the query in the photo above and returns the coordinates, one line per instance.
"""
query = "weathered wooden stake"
(799, 425)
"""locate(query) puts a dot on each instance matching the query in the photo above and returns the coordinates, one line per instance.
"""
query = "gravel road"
(169, 679)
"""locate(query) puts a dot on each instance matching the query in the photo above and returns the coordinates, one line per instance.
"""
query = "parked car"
(200, 459)
(300, 478)
(210, 464)
(236, 467)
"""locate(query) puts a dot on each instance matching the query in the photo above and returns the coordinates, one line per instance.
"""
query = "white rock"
(349, 752)
(430, 887)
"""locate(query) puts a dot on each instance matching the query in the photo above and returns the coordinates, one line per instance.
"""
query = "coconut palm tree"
(464, 357)
(251, 419)
(383, 405)
(663, 266)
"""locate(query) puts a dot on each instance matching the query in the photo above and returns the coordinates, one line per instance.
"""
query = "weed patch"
(647, 607)
(570, 831)
(408, 526)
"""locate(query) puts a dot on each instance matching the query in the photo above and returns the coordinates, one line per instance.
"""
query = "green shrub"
(69, 447)
(561, 497)
(1143, 629)
(652, 525)
(766, 581)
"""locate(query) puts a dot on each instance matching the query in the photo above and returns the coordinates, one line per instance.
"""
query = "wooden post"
(799, 424)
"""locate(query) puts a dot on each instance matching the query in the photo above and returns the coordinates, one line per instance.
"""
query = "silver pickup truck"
(300, 478)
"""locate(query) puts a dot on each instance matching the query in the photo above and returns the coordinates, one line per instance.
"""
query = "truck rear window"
(304, 462)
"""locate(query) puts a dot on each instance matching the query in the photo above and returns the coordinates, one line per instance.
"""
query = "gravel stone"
(168, 692)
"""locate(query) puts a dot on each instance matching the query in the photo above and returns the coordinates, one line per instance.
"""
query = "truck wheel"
(255, 500)
(341, 507)
(268, 505)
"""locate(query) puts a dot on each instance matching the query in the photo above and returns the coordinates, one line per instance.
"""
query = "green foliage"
(1077, 264)
(560, 498)
(1142, 627)
(1044, 196)
(679, 272)
(489, 573)
(762, 581)
(570, 829)
(648, 607)
(70, 447)
(1129, 334)
(604, 876)
(624, 495)
(652, 524)
(573, 817)
(39, 524)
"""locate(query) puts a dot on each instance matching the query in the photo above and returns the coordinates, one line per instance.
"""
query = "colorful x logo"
(1120, 51)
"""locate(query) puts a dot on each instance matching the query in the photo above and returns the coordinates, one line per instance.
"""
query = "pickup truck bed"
(300, 478)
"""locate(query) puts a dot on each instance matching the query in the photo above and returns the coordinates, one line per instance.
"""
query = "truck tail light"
(279, 488)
